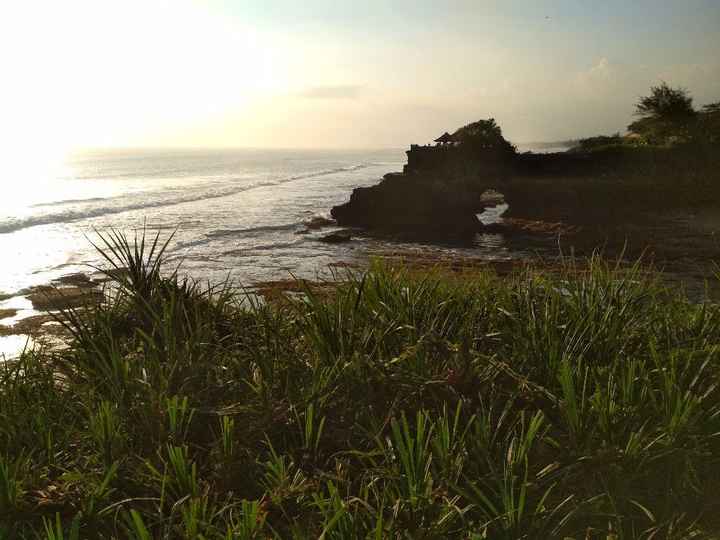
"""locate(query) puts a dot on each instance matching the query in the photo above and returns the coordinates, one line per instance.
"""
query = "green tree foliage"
(483, 134)
(712, 108)
(599, 142)
(666, 115)
(709, 122)
(665, 102)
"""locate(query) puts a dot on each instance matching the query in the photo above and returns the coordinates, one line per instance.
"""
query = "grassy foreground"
(396, 405)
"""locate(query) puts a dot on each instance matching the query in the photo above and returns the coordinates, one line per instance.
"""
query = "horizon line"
(283, 148)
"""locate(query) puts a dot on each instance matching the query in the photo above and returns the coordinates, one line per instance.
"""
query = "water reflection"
(12, 346)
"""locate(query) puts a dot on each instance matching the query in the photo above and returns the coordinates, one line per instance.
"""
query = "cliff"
(441, 186)
(440, 189)
(412, 202)
(612, 184)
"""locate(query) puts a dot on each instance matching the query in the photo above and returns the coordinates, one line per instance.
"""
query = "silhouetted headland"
(670, 159)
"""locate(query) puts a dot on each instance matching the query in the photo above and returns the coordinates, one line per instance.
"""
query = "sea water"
(233, 213)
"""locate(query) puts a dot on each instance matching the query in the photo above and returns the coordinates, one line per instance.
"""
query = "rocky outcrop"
(440, 189)
(413, 202)
(611, 186)
(336, 238)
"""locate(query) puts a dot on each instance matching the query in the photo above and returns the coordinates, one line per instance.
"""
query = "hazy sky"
(340, 73)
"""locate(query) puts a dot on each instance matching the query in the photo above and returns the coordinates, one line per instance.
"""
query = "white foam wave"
(150, 200)
(253, 230)
(249, 250)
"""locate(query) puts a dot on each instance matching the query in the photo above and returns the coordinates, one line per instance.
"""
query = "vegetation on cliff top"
(483, 135)
(583, 404)
(666, 117)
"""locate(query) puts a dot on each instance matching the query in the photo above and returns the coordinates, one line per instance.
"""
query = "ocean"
(234, 213)
(238, 215)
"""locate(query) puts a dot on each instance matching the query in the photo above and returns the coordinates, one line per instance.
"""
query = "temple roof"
(445, 138)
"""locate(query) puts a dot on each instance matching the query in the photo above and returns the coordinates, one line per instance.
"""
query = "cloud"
(347, 91)
(601, 70)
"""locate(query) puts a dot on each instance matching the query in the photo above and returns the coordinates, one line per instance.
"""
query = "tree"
(666, 115)
(709, 122)
(483, 134)
(711, 108)
(599, 142)
(666, 103)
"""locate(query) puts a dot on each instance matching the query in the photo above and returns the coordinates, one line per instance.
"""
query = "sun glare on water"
(32, 176)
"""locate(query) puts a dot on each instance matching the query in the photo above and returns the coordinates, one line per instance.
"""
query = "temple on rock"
(480, 143)
(446, 139)
(431, 156)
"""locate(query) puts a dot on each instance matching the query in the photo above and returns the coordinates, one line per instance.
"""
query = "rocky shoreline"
(660, 203)
(30, 316)
(402, 202)
(441, 189)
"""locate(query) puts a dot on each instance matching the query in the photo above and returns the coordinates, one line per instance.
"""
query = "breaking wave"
(253, 230)
(157, 199)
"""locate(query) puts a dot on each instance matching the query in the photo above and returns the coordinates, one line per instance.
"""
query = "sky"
(339, 73)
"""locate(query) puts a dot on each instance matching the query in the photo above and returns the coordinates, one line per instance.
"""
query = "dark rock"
(47, 298)
(439, 193)
(336, 238)
(77, 279)
(413, 203)
(7, 313)
(441, 189)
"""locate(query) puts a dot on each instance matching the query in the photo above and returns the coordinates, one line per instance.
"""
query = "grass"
(398, 404)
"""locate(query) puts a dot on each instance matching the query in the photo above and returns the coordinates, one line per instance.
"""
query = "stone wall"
(429, 158)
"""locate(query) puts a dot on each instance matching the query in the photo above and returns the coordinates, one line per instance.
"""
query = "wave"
(331, 171)
(249, 231)
(73, 215)
(70, 216)
(220, 233)
(183, 173)
(68, 201)
(249, 250)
